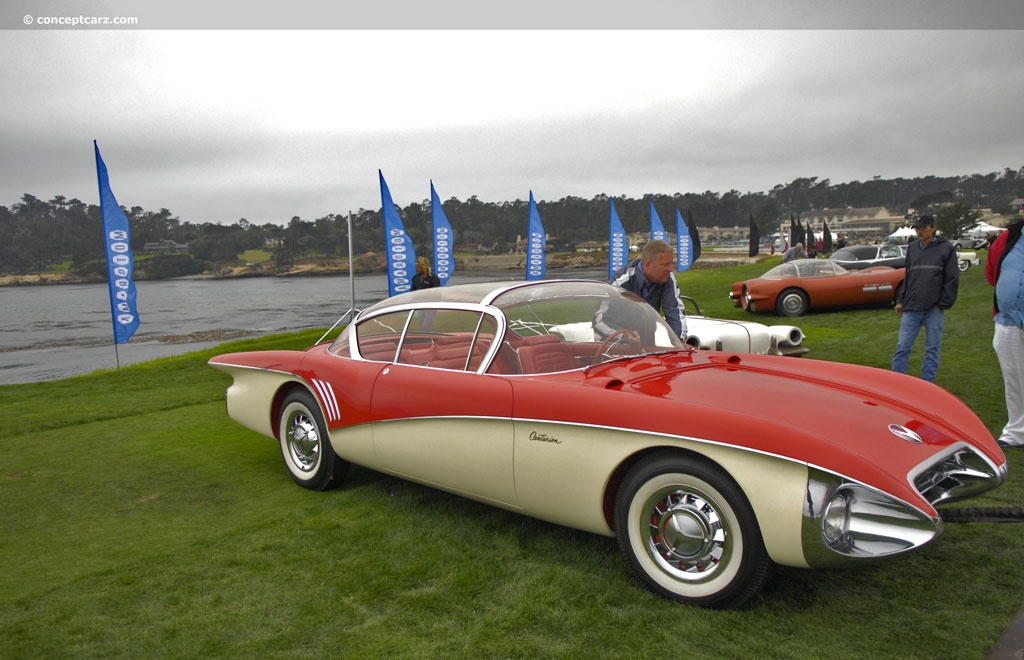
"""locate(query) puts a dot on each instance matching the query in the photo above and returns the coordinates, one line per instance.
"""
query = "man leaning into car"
(928, 290)
(650, 277)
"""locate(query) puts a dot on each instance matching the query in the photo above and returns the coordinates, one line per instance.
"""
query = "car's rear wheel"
(792, 302)
(688, 532)
(305, 445)
(963, 264)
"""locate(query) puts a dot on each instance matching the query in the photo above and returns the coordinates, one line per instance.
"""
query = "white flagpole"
(351, 283)
(351, 272)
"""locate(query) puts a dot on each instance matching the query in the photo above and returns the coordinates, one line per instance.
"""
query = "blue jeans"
(910, 324)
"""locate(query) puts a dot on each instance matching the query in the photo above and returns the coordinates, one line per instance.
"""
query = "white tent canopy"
(984, 228)
(979, 230)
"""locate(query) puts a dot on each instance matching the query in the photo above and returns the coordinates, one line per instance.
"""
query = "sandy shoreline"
(313, 268)
(509, 262)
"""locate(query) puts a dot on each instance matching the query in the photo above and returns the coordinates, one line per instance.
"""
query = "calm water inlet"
(55, 331)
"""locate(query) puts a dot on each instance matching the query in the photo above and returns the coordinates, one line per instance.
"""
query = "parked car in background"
(710, 334)
(713, 334)
(794, 288)
(970, 243)
(705, 466)
(965, 260)
(856, 257)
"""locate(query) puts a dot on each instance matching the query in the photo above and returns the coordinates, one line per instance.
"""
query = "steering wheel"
(632, 336)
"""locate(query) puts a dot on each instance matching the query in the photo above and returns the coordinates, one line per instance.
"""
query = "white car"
(713, 334)
(965, 260)
(741, 336)
(744, 336)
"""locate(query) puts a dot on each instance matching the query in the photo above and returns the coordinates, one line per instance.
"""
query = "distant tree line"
(37, 234)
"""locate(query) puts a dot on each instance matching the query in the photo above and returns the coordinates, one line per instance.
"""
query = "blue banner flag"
(400, 254)
(657, 229)
(618, 246)
(536, 266)
(444, 262)
(120, 264)
(684, 244)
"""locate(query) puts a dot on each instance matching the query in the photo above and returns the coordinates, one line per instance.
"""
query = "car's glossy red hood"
(832, 415)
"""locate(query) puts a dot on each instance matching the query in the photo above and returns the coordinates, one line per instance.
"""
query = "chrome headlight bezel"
(846, 521)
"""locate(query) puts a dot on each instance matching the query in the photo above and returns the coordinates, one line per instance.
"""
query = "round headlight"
(836, 522)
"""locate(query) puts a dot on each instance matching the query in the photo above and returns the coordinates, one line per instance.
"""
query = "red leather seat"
(545, 354)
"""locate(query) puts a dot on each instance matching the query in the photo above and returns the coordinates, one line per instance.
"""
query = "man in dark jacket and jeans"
(928, 290)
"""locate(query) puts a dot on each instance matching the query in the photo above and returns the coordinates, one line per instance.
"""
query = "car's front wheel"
(688, 532)
(305, 445)
(792, 302)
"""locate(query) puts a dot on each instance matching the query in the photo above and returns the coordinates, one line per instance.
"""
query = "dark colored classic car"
(794, 288)
(856, 257)
(496, 392)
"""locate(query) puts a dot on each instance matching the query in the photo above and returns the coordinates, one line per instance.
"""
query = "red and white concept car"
(496, 392)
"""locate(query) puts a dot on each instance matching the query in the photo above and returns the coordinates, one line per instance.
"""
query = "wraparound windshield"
(550, 326)
(587, 322)
(805, 268)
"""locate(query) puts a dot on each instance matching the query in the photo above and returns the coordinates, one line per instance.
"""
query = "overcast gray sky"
(219, 124)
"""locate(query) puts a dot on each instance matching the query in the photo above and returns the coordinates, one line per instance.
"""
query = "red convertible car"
(493, 392)
(791, 289)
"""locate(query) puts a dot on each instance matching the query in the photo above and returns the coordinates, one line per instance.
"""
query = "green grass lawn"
(138, 521)
(255, 256)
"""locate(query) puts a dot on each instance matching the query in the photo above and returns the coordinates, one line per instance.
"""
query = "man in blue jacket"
(928, 290)
(650, 277)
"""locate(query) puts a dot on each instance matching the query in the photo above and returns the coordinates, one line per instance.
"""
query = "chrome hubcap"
(303, 442)
(792, 303)
(685, 534)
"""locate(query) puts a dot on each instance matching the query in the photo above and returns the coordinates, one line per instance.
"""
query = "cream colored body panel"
(562, 470)
(250, 397)
(354, 444)
(471, 457)
(552, 471)
(778, 505)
